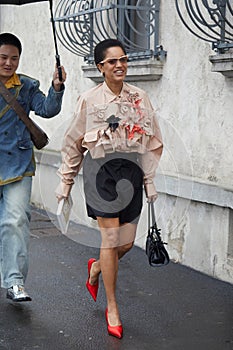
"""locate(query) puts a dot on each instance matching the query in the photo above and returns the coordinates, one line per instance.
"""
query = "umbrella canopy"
(23, 2)
(18, 2)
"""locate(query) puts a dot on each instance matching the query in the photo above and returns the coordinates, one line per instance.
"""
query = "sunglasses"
(113, 61)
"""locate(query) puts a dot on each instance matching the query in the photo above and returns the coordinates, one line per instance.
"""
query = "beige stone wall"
(196, 102)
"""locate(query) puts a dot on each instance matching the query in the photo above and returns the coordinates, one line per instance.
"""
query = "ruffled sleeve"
(72, 149)
(154, 146)
(149, 163)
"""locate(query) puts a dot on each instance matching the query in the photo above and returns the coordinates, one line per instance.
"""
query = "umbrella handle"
(58, 63)
(55, 42)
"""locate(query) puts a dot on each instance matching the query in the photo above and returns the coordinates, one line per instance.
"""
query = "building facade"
(194, 104)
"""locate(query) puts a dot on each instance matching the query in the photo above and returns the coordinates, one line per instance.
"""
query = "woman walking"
(115, 126)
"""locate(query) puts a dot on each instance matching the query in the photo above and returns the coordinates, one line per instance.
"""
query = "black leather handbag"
(155, 249)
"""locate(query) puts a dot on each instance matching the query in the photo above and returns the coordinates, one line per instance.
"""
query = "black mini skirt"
(113, 186)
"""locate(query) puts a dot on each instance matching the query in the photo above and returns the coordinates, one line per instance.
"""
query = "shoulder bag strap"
(11, 101)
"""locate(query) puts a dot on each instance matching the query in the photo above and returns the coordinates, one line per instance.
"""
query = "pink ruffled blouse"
(136, 130)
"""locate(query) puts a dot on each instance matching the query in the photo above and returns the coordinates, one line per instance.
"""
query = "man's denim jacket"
(16, 147)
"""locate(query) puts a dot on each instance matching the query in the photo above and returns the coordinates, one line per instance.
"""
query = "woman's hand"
(151, 199)
(61, 192)
(60, 197)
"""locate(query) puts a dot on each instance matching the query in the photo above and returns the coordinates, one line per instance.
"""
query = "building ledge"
(144, 70)
(178, 186)
(222, 63)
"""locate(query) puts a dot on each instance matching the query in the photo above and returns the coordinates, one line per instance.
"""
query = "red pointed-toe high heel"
(115, 331)
(92, 289)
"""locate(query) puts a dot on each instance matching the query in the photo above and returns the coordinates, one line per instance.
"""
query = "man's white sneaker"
(17, 293)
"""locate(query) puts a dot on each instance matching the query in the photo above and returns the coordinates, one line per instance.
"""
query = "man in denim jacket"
(17, 164)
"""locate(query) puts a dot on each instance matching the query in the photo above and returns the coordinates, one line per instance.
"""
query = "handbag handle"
(151, 216)
(152, 225)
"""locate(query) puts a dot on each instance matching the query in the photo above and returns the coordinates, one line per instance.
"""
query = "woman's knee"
(110, 238)
(127, 247)
(109, 232)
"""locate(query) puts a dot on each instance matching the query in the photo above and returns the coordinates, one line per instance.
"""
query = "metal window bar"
(209, 20)
(80, 25)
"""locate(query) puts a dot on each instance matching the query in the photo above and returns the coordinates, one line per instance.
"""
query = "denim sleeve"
(46, 106)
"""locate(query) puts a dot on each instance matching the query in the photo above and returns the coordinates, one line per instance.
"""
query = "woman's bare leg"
(116, 242)
(109, 228)
(127, 236)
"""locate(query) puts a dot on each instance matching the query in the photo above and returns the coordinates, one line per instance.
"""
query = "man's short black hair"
(10, 39)
(101, 48)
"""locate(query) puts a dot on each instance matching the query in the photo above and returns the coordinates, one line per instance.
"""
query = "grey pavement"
(172, 307)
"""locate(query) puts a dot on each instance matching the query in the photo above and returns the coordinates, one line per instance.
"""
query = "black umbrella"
(22, 2)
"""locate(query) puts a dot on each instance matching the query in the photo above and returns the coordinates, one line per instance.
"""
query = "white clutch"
(63, 213)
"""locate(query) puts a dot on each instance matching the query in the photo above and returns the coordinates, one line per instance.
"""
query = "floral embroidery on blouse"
(124, 125)
(113, 122)
(133, 126)
(126, 113)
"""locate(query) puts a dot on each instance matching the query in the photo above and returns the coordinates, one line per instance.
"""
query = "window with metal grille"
(210, 21)
(81, 25)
